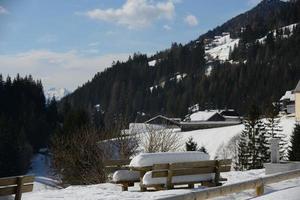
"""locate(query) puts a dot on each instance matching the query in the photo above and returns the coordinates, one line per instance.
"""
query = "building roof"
(202, 115)
(289, 95)
(297, 89)
(172, 120)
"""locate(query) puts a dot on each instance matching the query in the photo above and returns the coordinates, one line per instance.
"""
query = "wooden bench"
(190, 168)
(16, 185)
(112, 166)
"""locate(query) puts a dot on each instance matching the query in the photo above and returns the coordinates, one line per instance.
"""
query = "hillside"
(242, 72)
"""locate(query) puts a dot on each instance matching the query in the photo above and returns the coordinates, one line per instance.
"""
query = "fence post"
(19, 188)
(260, 189)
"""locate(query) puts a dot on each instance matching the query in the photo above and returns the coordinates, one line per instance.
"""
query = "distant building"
(198, 120)
(210, 119)
(164, 121)
(297, 101)
(287, 102)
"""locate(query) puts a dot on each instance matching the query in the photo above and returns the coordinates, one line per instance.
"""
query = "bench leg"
(142, 187)
(124, 187)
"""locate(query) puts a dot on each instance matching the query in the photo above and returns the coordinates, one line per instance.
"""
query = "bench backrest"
(16, 185)
(192, 168)
(114, 165)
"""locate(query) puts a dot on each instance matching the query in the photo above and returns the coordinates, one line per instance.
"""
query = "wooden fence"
(257, 184)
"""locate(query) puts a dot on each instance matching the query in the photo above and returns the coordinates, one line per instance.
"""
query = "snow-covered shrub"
(162, 140)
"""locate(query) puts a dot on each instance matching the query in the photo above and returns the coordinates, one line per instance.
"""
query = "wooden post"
(169, 178)
(260, 190)
(217, 173)
(19, 188)
(142, 187)
(191, 185)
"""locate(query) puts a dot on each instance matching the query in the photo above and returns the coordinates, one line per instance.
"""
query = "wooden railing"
(257, 184)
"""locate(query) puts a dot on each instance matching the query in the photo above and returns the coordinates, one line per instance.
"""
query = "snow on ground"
(152, 63)
(288, 190)
(212, 139)
(221, 47)
(290, 28)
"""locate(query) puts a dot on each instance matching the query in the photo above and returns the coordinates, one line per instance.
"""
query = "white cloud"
(167, 27)
(57, 69)
(3, 10)
(191, 20)
(135, 13)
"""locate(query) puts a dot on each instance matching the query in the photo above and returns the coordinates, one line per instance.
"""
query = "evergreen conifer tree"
(253, 149)
(191, 145)
(294, 152)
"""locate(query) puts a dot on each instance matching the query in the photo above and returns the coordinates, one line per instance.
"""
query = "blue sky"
(64, 43)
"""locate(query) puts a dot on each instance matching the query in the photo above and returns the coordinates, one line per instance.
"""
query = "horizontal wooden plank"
(111, 169)
(12, 189)
(160, 166)
(189, 171)
(116, 162)
(197, 164)
(225, 162)
(225, 168)
(142, 169)
(13, 180)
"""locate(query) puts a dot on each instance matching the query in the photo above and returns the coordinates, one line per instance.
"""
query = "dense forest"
(26, 123)
(258, 72)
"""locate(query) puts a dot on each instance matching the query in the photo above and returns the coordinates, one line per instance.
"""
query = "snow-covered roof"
(202, 115)
(289, 95)
(297, 89)
(152, 63)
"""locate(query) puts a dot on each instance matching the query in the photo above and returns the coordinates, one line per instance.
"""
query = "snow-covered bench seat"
(206, 172)
(121, 173)
(150, 167)
(146, 160)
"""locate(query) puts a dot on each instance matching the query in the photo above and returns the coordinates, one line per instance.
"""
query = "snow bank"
(126, 175)
(149, 159)
(148, 180)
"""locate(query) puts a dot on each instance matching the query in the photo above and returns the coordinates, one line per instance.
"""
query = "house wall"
(297, 106)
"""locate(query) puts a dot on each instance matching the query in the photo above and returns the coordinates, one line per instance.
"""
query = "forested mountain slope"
(174, 79)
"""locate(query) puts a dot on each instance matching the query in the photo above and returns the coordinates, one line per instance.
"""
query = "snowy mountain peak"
(58, 93)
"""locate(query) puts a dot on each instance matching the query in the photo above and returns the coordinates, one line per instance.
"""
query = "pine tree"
(203, 149)
(253, 149)
(294, 152)
(191, 145)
